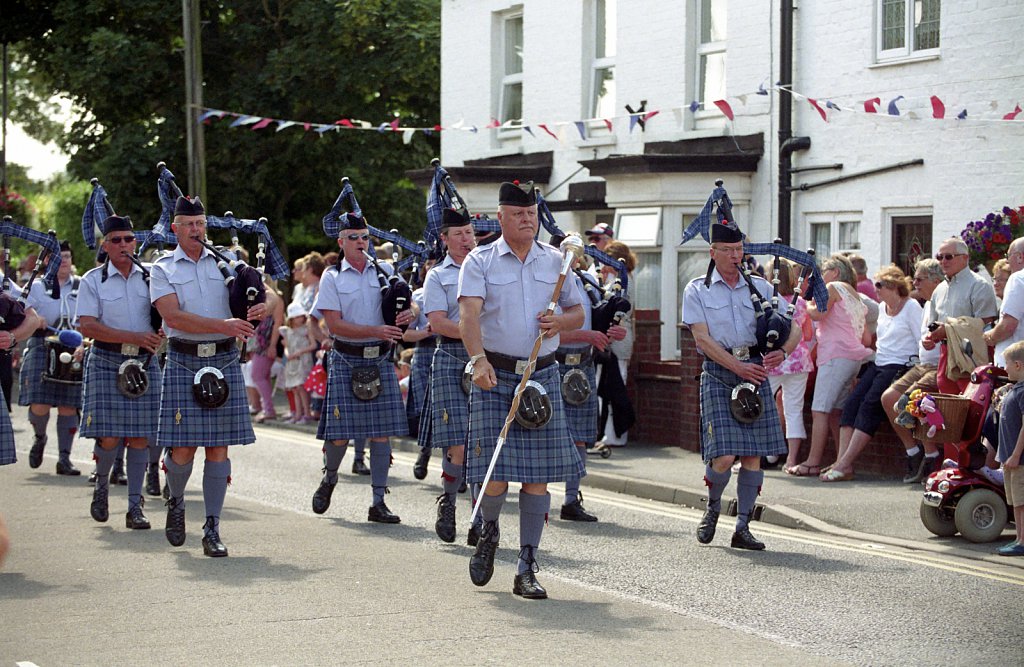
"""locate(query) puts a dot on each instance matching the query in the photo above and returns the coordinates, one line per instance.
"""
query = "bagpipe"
(97, 210)
(443, 194)
(395, 293)
(49, 255)
(244, 282)
(612, 305)
(773, 323)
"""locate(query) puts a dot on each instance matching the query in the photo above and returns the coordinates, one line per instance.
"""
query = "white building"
(554, 62)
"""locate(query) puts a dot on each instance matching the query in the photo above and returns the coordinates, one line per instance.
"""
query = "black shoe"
(481, 563)
(175, 527)
(474, 536)
(928, 466)
(98, 509)
(67, 468)
(445, 524)
(463, 486)
(380, 513)
(91, 479)
(117, 476)
(153, 479)
(419, 470)
(574, 511)
(359, 467)
(135, 519)
(526, 585)
(212, 546)
(707, 525)
(914, 468)
(35, 455)
(742, 539)
(322, 497)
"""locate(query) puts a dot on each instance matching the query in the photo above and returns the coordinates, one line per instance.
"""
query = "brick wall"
(667, 400)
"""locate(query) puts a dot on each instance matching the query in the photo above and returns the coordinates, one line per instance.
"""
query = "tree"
(319, 60)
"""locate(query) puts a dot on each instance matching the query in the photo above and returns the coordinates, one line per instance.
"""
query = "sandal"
(834, 475)
(803, 470)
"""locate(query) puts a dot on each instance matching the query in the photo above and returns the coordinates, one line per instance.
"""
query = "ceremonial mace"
(572, 249)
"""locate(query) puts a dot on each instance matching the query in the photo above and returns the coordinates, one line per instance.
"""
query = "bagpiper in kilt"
(722, 318)
(417, 399)
(202, 400)
(578, 387)
(16, 323)
(446, 419)
(54, 302)
(363, 398)
(121, 397)
(505, 289)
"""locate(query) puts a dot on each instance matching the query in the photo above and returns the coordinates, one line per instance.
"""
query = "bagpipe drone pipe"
(48, 257)
(773, 323)
(444, 195)
(395, 293)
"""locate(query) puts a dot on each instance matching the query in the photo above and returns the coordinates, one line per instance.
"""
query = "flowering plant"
(14, 205)
(989, 239)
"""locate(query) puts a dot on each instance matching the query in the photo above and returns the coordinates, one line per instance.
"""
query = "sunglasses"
(357, 237)
(118, 240)
(948, 258)
(879, 284)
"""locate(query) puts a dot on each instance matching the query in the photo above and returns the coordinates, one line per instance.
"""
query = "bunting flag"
(608, 123)
(582, 129)
(938, 108)
(871, 106)
(545, 128)
(1013, 114)
(817, 107)
(893, 109)
(724, 107)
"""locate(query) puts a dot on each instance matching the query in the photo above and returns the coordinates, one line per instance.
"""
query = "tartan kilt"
(184, 423)
(419, 379)
(345, 417)
(448, 411)
(106, 412)
(540, 455)
(721, 434)
(34, 389)
(582, 419)
(8, 454)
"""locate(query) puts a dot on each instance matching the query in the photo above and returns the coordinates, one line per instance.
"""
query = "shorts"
(922, 376)
(832, 385)
(863, 410)
(1013, 482)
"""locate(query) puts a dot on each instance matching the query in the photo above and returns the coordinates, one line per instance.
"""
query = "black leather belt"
(40, 333)
(575, 356)
(199, 349)
(362, 349)
(516, 365)
(427, 342)
(126, 349)
(450, 341)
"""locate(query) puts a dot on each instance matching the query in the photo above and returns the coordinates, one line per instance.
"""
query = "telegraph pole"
(194, 98)
(3, 146)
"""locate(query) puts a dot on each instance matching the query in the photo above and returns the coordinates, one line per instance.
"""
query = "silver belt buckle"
(204, 350)
(521, 365)
(741, 353)
(371, 352)
(573, 359)
(129, 350)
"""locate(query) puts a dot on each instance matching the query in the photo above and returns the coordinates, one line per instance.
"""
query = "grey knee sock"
(572, 486)
(177, 476)
(39, 423)
(104, 461)
(119, 460)
(380, 464)
(533, 512)
(138, 459)
(333, 454)
(215, 487)
(67, 426)
(474, 493)
(490, 506)
(451, 477)
(716, 483)
(360, 448)
(748, 487)
(154, 454)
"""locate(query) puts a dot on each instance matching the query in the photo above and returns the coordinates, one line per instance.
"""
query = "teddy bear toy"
(932, 417)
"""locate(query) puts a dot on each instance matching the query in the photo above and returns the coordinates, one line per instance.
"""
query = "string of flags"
(905, 108)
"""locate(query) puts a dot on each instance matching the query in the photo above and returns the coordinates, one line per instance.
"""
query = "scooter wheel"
(606, 453)
(938, 521)
(980, 515)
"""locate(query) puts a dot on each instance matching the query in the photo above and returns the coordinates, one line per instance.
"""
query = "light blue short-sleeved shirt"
(53, 309)
(13, 289)
(727, 311)
(354, 295)
(199, 287)
(420, 323)
(441, 289)
(577, 283)
(117, 302)
(514, 294)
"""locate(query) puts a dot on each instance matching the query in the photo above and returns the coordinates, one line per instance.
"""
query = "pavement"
(876, 509)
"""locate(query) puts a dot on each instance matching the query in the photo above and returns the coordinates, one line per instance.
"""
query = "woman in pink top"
(841, 350)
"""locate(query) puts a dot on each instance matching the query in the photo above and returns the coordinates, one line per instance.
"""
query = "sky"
(42, 160)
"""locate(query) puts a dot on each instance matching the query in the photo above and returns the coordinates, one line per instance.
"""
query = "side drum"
(61, 365)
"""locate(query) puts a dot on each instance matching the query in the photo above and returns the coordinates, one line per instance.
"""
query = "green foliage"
(60, 208)
(317, 60)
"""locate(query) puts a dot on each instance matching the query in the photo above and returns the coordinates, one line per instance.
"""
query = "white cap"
(295, 310)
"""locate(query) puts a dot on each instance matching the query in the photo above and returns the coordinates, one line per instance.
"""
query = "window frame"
(704, 49)
(908, 50)
(834, 221)
(600, 63)
(508, 79)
